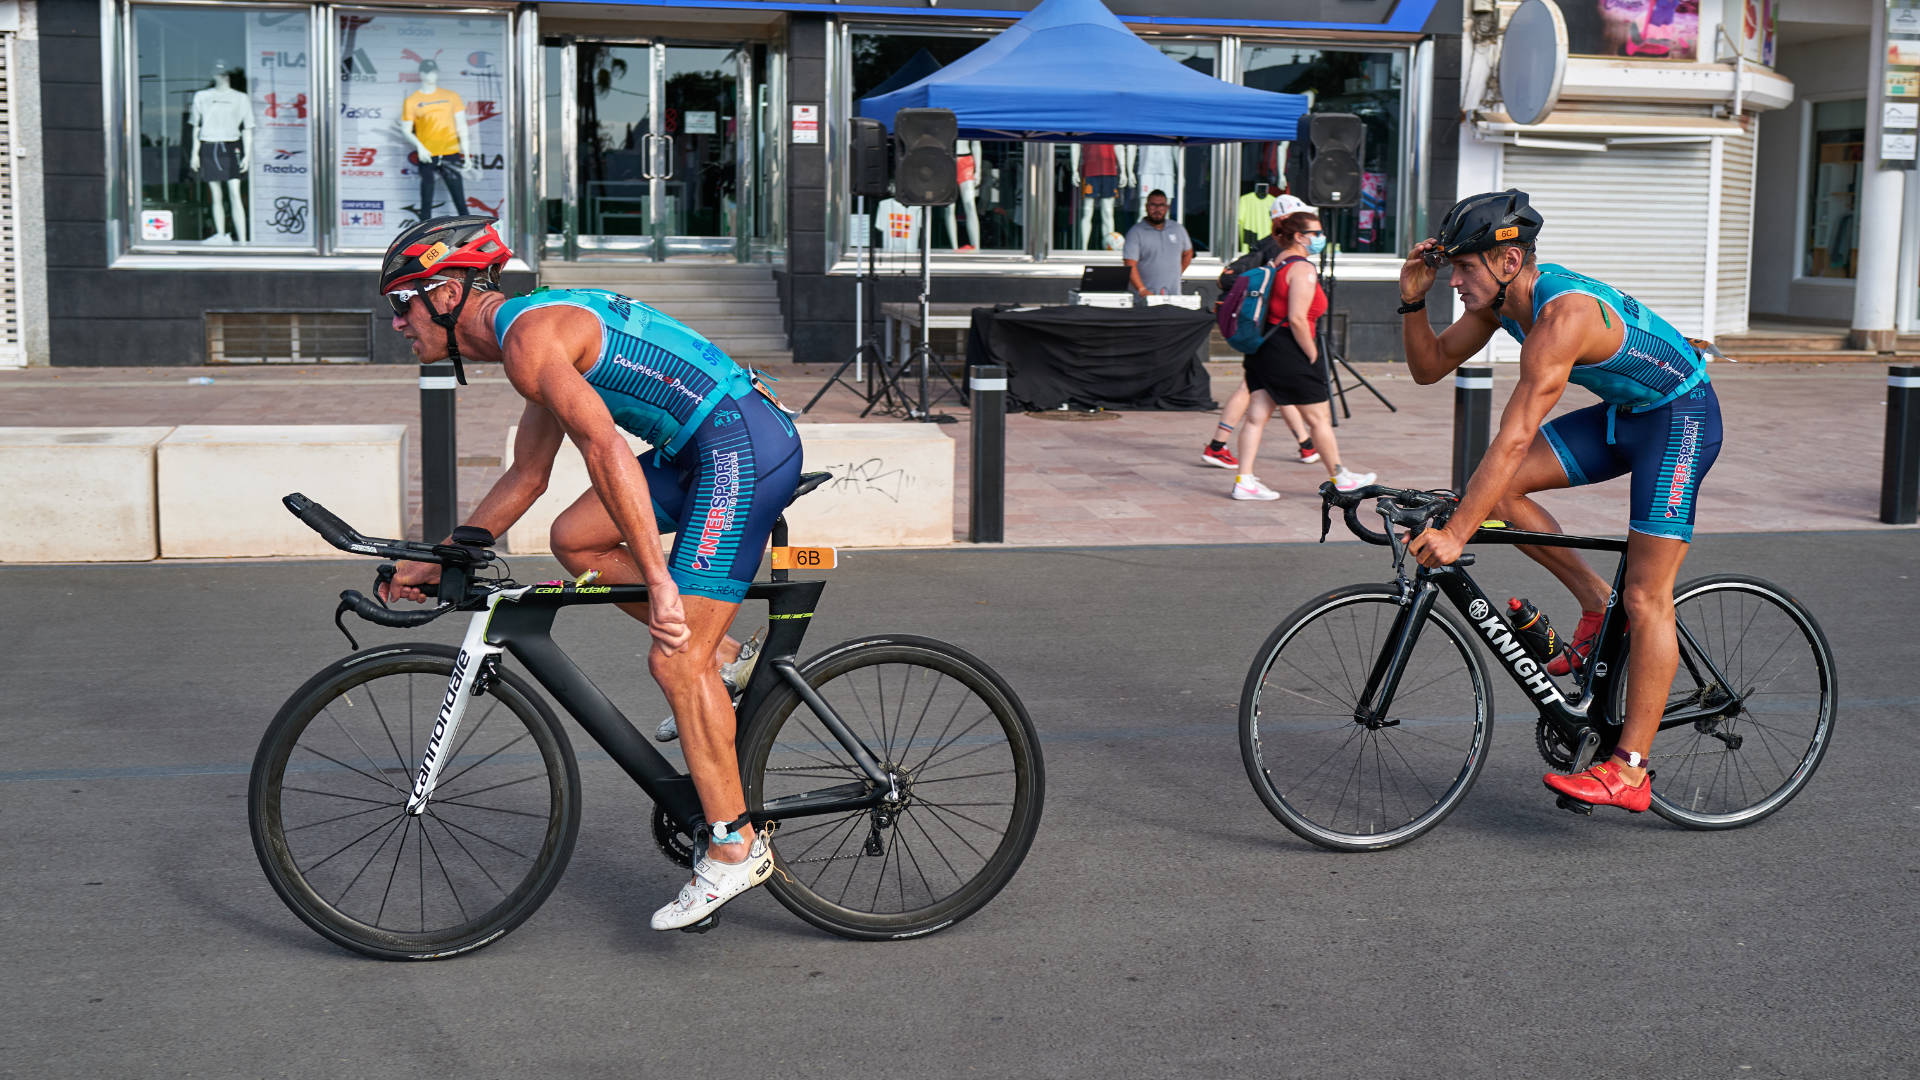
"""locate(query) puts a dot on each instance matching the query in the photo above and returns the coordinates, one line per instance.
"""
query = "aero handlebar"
(470, 551)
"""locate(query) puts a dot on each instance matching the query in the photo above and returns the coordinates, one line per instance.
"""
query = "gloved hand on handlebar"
(406, 580)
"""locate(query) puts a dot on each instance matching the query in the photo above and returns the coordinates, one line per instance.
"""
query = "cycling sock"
(1224, 426)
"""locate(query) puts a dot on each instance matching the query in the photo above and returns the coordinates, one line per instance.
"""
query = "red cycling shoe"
(1584, 634)
(1602, 785)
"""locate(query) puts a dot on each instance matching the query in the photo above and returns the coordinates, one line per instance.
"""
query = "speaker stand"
(923, 349)
(866, 360)
(1334, 386)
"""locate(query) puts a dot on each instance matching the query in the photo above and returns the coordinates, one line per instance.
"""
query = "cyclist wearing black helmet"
(725, 462)
(1658, 420)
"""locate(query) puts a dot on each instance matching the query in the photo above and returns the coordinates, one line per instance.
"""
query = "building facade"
(221, 177)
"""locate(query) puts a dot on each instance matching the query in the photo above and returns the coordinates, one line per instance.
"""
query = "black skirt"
(1281, 369)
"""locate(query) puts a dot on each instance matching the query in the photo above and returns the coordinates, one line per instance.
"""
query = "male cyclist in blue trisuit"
(1657, 419)
(725, 463)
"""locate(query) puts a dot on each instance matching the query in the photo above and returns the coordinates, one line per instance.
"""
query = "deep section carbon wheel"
(1343, 783)
(328, 795)
(970, 789)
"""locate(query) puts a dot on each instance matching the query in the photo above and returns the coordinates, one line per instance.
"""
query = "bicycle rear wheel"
(1747, 762)
(971, 788)
(328, 795)
(1330, 778)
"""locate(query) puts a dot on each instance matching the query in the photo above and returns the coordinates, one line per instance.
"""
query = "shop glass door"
(643, 149)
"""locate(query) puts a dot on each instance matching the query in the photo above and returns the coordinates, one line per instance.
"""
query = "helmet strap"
(1500, 297)
(451, 319)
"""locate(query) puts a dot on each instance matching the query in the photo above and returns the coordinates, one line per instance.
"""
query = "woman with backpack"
(1287, 368)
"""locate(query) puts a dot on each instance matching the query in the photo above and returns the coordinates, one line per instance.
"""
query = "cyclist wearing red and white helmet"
(725, 463)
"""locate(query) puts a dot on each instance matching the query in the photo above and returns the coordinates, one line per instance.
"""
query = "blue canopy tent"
(1071, 72)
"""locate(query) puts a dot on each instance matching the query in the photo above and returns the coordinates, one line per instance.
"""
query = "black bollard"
(987, 472)
(439, 456)
(1900, 468)
(1472, 419)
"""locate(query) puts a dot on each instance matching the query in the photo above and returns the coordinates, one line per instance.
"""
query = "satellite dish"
(1533, 61)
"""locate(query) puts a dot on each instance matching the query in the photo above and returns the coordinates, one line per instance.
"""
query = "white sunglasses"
(399, 299)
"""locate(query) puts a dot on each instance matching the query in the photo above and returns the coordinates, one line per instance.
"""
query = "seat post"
(779, 541)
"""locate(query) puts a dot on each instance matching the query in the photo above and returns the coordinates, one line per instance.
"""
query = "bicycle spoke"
(382, 717)
(494, 809)
(382, 781)
(397, 816)
(363, 866)
(350, 798)
(517, 739)
(356, 745)
(341, 817)
(468, 852)
(970, 776)
(399, 853)
(452, 889)
(490, 787)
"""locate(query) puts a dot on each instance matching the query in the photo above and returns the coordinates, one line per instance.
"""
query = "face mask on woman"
(1316, 243)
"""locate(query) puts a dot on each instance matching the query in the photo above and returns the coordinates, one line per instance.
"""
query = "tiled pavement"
(1802, 451)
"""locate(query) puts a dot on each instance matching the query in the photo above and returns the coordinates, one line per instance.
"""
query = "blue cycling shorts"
(721, 494)
(1667, 449)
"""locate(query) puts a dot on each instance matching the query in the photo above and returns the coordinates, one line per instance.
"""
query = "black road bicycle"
(415, 801)
(1367, 714)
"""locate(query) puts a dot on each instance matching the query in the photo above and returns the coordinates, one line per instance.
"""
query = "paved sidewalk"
(1802, 450)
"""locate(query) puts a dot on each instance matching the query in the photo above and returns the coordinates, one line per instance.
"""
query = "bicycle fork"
(476, 664)
(1383, 681)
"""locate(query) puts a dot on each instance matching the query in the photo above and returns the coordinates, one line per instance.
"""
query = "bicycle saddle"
(808, 481)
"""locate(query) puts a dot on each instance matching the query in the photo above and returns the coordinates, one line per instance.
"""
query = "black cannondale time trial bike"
(1367, 714)
(416, 801)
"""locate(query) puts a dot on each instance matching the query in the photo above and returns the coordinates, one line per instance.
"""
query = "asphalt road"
(1163, 926)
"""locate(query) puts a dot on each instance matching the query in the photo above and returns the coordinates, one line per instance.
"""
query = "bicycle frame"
(520, 620)
(1587, 722)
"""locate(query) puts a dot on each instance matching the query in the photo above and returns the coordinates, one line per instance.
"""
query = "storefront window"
(1640, 29)
(1366, 84)
(1839, 144)
(990, 213)
(1100, 190)
(423, 121)
(225, 152)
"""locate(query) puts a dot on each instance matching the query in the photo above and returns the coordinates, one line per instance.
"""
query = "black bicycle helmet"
(438, 246)
(1479, 223)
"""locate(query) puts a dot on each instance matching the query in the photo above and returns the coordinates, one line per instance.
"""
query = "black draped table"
(1112, 358)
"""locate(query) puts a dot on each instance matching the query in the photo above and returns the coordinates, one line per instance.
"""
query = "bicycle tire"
(786, 746)
(335, 775)
(1730, 771)
(1296, 717)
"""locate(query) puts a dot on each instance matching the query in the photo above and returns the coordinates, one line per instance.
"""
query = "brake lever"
(1326, 519)
(339, 620)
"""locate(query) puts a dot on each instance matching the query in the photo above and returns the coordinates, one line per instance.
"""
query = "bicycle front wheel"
(327, 804)
(1334, 780)
(970, 792)
(1749, 645)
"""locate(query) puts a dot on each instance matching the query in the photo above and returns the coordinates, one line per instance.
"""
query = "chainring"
(674, 842)
(1553, 749)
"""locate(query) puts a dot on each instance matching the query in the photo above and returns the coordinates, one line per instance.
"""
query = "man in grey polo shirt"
(1157, 251)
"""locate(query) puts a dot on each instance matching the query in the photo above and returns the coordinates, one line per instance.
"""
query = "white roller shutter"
(1634, 217)
(1735, 254)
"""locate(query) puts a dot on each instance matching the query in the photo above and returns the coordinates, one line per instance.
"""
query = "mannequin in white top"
(223, 150)
(968, 160)
(1103, 195)
(1164, 168)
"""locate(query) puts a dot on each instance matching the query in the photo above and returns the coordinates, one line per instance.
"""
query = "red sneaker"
(1602, 785)
(1222, 458)
(1308, 455)
(1584, 635)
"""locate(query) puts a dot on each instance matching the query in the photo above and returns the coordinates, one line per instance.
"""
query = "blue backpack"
(1242, 313)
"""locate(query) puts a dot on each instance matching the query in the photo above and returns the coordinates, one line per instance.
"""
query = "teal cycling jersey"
(658, 377)
(1655, 364)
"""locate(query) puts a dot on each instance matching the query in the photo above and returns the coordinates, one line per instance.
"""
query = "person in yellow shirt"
(434, 120)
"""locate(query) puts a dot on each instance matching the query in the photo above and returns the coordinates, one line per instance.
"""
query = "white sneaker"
(714, 883)
(1250, 487)
(1347, 480)
(667, 731)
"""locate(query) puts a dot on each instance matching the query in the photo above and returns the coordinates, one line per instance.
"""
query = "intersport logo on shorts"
(720, 512)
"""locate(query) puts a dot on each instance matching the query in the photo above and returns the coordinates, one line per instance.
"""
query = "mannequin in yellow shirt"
(435, 122)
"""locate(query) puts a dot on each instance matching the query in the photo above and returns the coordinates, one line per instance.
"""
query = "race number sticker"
(804, 558)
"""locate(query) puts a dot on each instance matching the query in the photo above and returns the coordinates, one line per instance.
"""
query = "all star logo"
(1477, 609)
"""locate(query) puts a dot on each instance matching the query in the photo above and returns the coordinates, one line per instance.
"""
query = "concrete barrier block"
(892, 487)
(73, 494)
(220, 486)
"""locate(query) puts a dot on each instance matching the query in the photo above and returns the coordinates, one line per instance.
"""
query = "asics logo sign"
(1508, 648)
(439, 734)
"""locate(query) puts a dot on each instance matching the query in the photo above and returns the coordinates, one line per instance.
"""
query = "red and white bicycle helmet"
(443, 247)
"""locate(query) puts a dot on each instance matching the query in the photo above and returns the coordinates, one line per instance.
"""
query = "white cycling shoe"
(714, 883)
(733, 676)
